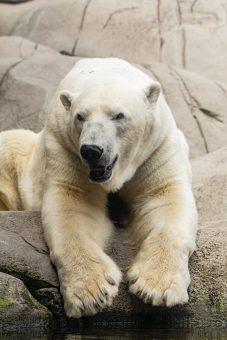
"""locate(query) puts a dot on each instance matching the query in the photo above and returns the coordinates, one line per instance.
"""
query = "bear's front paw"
(90, 286)
(158, 285)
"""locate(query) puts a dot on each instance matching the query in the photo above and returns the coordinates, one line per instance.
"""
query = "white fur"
(152, 174)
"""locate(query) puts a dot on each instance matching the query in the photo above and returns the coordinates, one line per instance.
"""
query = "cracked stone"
(28, 71)
(29, 258)
(185, 34)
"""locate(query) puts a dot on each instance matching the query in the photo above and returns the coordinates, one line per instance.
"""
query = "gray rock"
(191, 99)
(28, 259)
(51, 298)
(18, 309)
(11, 15)
(210, 187)
(29, 76)
(185, 34)
(30, 73)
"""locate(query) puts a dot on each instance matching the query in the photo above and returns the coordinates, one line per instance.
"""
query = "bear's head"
(112, 127)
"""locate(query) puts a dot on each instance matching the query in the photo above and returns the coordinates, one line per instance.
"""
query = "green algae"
(4, 303)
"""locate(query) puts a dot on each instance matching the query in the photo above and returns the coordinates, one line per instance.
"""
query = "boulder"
(191, 99)
(28, 260)
(30, 73)
(208, 265)
(185, 34)
(18, 308)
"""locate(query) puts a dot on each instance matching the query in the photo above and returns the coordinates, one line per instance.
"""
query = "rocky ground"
(183, 44)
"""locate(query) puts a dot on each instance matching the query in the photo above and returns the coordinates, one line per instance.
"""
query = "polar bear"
(109, 129)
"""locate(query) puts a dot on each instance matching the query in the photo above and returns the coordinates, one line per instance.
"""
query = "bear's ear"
(66, 99)
(152, 92)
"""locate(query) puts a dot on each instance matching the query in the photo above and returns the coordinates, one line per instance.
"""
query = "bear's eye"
(80, 117)
(119, 116)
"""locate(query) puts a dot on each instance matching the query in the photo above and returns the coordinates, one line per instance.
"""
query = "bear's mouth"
(101, 173)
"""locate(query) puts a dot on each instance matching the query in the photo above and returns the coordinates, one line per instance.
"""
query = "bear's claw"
(89, 292)
(158, 287)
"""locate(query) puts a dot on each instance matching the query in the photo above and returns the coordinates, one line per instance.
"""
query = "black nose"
(91, 152)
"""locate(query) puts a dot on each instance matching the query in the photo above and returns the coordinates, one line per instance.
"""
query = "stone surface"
(188, 34)
(28, 259)
(30, 73)
(191, 99)
(210, 188)
(18, 309)
(208, 290)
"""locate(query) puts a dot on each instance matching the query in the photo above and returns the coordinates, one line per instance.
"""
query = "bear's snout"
(91, 153)
(100, 166)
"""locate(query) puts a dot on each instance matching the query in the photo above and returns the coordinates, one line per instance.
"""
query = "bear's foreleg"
(76, 228)
(164, 228)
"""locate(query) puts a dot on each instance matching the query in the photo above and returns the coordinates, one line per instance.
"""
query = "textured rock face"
(186, 34)
(28, 71)
(209, 263)
(18, 308)
(28, 259)
(191, 99)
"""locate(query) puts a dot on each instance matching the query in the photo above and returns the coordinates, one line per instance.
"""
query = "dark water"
(114, 334)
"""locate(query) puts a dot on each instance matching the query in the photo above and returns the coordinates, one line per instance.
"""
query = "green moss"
(4, 303)
(31, 301)
(22, 273)
(221, 305)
